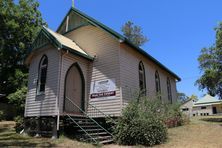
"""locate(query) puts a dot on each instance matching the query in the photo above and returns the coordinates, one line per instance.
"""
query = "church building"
(86, 69)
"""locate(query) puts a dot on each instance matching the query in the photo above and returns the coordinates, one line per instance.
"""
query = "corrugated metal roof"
(66, 41)
(206, 104)
(207, 99)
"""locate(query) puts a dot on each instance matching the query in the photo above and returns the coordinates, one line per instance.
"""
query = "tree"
(210, 64)
(182, 97)
(134, 33)
(193, 97)
(19, 25)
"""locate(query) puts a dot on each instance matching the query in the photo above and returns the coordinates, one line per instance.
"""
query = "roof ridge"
(119, 36)
(65, 43)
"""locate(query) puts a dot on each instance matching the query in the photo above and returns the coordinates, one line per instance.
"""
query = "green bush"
(173, 115)
(144, 121)
(19, 126)
(18, 100)
(1, 115)
(141, 123)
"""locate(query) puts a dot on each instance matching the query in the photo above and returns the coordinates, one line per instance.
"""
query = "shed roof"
(118, 36)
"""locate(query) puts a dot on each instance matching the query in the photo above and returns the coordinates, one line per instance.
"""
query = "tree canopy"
(19, 25)
(182, 97)
(134, 33)
(210, 64)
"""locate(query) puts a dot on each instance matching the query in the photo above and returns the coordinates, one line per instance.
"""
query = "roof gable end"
(92, 21)
(59, 41)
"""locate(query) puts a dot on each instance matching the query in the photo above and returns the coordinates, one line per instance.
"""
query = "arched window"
(142, 79)
(169, 91)
(42, 74)
(157, 82)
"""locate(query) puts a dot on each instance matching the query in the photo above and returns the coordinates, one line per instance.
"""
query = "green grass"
(9, 138)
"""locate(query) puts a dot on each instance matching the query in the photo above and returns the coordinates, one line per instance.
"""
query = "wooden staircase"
(88, 128)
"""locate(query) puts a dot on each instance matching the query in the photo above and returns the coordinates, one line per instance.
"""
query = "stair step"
(106, 141)
(88, 126)
(88, 122)
(100, 133)
(103, 137)
(79, 119)
(91, 130)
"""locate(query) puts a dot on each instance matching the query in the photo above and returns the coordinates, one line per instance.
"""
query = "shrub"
(18, 100)
(1, 115)
(19, 126)
(141, 123)
(173, 116)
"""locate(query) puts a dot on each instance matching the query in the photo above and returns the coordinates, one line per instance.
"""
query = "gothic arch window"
(157, 83)
(142, 79)
(42, 73)
(169, 91)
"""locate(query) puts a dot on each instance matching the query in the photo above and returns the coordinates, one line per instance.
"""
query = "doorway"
(214, 110)
(74, 90)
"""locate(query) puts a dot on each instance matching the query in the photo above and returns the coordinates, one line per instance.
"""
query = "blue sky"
(177, 29)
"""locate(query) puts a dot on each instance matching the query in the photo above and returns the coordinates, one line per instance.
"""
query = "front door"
(74, 85)
(214, 110)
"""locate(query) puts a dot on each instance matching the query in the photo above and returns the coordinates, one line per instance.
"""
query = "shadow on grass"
(25, 144)
(212, 119)
(8, 137)
(3, 130)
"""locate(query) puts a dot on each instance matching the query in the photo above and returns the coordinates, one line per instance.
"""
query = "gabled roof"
(118, 36)
(186, 101)
(207, 99)
(62, 42)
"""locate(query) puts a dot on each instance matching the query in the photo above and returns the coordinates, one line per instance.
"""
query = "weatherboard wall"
(129, 76)
(68, 60)
(105, 48)
(45, 104)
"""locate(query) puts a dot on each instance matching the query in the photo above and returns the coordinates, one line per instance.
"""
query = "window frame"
(142, 79)
(43, 65)
(203, 107)
(169, 90)
(157, 85)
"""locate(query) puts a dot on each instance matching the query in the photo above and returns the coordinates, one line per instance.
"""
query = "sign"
(103, 88)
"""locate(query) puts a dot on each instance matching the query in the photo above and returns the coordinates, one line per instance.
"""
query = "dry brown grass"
(198, 134)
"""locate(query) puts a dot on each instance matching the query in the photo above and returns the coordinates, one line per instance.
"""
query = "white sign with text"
(103, 89)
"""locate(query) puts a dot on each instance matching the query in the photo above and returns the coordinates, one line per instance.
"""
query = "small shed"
(187, 107)
(207, 105)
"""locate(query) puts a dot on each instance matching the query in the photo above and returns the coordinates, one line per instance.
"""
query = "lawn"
(197, 134)
(8, 137)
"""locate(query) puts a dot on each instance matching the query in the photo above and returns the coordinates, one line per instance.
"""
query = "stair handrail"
(106, 116)
(82, 129)
(88, 116)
